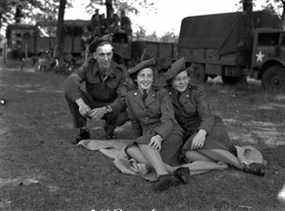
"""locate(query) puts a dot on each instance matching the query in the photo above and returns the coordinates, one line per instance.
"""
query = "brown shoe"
(164, 182)
(183, 174)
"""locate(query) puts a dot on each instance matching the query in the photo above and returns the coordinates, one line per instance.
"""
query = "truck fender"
(269, 63)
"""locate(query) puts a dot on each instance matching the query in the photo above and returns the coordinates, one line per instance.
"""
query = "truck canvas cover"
(223, 32)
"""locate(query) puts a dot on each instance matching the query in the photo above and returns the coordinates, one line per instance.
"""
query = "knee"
(131, 149)
(190, 156)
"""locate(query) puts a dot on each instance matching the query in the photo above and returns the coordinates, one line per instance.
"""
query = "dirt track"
(41, 170)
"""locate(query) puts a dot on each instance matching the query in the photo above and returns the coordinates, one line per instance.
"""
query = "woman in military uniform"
(159, 135)
(205, 136)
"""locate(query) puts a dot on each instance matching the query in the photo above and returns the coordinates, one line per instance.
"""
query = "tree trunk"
(0, 21)
(59, 33)
(283, 14)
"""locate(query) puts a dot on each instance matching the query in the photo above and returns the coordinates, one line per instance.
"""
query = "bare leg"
(154, 159)
(199, 167)
(222, 155)
(137, 154)
(194, 156)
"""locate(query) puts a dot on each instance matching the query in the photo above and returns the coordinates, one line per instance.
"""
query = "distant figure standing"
(114, 23)
(18, 14)
(126, 23)
(109, 7)
(96, 23)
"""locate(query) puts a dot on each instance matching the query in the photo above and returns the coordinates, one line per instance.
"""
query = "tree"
(59, 32)
(279, 4)
(140, 34)
(169, 37)
(127, 5)
(25, 8)
(246, 5)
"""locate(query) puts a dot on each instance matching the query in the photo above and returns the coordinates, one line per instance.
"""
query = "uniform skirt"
(170, 147)
(216, 138)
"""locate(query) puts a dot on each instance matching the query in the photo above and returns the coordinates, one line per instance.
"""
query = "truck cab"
(234, 45)
(268, 57)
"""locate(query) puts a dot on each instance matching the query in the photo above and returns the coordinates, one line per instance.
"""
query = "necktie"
(144, 96)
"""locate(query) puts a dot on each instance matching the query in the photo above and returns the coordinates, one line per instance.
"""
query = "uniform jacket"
(192, 110)
(154, 116)
(109, 88)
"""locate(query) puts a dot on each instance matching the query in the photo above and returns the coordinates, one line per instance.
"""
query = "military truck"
(235, 45)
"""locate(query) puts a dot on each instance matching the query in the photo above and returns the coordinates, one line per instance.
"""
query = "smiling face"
(103, 55)
(145, 78)
(181, 81)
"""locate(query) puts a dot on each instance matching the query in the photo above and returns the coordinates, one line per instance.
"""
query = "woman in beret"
(159, 135)
(205, 135)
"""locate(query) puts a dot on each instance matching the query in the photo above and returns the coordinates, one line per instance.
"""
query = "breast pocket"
(153, 109)
(113, 82)
(189, 106)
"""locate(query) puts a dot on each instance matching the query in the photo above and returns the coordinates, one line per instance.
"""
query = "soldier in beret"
(159, 135)
(105, 91)
(205, 135)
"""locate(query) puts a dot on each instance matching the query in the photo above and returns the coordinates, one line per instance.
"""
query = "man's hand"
(199, 140)
(155, 142)
(98, 113)
(83, 108)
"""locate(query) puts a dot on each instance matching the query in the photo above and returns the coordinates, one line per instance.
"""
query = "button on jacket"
(155, 116)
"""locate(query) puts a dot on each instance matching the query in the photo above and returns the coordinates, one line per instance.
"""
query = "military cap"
(99, 41)
(144, 64)
(175, 68)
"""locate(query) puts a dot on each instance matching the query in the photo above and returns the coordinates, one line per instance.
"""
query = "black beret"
(99, 41)
(144, 64)
(176, 67)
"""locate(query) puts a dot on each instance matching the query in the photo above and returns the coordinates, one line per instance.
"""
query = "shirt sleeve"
(167, 116)
(72, 83)
(135, 123)
(207, 119)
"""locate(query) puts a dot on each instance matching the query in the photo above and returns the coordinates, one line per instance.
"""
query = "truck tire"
(230, 79)
(273, 79)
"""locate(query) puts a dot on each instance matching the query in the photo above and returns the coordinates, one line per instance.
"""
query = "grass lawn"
(41, 170)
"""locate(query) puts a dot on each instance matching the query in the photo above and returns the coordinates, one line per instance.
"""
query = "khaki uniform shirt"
(109, 87)
(192, 110)
(153, 116)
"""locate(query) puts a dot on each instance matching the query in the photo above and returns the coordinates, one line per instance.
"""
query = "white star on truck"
(259, 56)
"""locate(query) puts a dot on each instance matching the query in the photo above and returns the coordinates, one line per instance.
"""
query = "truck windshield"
(268, 39)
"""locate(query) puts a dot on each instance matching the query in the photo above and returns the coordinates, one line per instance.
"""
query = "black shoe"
(182, 174)
(164, 182)
(255, 168)
(83, 134)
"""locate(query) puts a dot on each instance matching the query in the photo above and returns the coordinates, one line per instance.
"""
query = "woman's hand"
(155, 142)
(199, 140)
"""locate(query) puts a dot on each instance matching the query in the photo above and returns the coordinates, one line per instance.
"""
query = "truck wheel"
(273, 79)
(230, 79)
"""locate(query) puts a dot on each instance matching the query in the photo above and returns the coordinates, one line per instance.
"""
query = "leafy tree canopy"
(131, 6)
